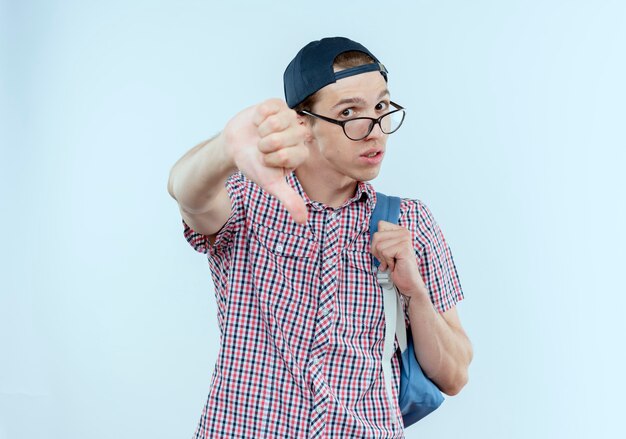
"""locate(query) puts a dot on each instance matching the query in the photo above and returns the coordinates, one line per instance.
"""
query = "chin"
(367, 175)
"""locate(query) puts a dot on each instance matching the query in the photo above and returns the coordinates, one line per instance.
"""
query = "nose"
(376, 132)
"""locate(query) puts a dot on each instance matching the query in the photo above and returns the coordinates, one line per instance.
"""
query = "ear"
(305, 122)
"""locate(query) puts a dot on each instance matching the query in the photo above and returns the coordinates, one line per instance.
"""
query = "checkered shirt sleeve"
(433, 254)
(223, 240)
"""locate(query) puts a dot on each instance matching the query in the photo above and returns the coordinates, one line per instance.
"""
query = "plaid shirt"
(301, 318)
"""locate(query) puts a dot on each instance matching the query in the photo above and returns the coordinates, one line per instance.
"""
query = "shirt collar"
(364, 192)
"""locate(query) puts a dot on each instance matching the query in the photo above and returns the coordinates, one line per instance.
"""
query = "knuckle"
(269, 159)
(261, 145)
(282, 157)
(263, 109)
(378, 250)
(266, 159)
(264, 145)
(273, 123)
(274, 141)
(267, 108)
(268, 144)
(277, 157)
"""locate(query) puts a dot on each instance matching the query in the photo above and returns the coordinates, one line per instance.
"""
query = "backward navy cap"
(312, 68)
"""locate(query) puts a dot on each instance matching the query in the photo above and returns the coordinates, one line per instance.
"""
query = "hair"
(342, 61)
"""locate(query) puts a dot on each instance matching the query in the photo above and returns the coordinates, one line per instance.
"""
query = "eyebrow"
(357, 100)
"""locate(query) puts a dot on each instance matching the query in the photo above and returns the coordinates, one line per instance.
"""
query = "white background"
(514, 138)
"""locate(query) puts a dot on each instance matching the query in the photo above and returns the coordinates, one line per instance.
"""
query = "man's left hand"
(392, 245)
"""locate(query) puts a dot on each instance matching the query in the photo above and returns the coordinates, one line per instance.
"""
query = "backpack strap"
(388, 209)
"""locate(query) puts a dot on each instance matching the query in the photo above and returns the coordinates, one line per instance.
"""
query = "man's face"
(336, 158)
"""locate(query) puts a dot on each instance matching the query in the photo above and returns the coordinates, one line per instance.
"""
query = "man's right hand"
(266, 143)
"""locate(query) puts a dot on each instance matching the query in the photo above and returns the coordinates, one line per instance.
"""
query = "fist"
(266, 143)
(392, 245)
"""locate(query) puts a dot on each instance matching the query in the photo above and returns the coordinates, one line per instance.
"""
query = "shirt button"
(326, 311)
(279, 248)
(334, 216)
(315, 361)
(319, 409)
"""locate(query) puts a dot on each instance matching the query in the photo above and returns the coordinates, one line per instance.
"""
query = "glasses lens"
(357, 129)
(391, 122)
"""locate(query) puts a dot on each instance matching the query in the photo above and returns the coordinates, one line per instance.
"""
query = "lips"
(371, 153)
(372, 157)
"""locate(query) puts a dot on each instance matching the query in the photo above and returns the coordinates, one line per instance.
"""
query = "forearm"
(443, 349)
(199, 176)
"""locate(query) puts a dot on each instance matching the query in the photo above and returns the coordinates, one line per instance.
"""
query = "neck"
(325, 190)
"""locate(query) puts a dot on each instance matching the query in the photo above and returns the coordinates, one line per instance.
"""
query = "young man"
(279, 203)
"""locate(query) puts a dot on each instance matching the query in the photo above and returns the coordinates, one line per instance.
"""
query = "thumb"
(290, 199)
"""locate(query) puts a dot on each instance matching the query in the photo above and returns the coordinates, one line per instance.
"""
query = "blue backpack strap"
(418, 396)
(387, 209)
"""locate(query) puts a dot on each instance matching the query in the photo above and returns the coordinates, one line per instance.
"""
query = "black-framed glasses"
(361, 127)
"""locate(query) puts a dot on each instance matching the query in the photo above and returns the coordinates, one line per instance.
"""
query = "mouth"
(372, 153)
(373, 156)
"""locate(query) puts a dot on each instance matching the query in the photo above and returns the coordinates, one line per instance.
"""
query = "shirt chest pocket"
(360, 298)
(282, 257)
(285, 283)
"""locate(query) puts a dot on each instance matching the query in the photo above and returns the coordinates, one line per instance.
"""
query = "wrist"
(417, 297)
(222, 153)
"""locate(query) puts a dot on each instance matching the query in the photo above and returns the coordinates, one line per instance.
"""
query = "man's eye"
(382, 106)
(347, 112)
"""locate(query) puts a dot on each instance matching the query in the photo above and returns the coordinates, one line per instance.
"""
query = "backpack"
(419, 396)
